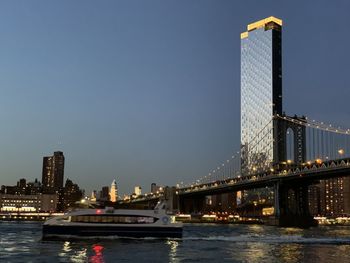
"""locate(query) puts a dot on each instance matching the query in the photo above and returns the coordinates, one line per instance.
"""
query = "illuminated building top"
(267, 23)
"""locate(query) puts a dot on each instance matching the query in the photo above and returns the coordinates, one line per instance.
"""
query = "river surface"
(21, 242)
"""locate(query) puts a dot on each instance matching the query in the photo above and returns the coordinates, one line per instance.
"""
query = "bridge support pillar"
(291, 207)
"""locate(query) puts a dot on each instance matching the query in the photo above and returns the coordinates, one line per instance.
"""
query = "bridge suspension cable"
(322, 142)
(316, 124)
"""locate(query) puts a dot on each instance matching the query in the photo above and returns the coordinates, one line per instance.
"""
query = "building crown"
(271, 22)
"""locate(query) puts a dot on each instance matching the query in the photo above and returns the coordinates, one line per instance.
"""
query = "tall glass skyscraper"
(261, 92)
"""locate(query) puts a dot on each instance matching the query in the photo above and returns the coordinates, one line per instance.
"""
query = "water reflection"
(337, 231)
(65, 249)
(255, 228)
(98, 256)
(173, 250)
(327, 253)
(75, 254)
(292, 231)
(290, 253)
(252, 252)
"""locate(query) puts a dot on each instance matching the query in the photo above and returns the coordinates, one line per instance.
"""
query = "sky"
(149, 91)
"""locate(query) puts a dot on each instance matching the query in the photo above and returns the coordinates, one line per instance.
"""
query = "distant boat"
(112, 222)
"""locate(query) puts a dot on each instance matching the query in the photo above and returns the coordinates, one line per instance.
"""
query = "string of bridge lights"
(317, 125)
(313, 124)
(235, 156)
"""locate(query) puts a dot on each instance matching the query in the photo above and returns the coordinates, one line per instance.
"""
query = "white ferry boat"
(112, 222)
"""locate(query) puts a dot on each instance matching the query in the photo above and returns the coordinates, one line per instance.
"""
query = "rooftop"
(261, 23)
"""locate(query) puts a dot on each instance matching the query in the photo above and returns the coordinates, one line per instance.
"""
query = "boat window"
(95, 219)
(116, 219)
(66, 218)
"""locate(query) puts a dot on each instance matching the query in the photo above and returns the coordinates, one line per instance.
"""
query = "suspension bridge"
(301, 153)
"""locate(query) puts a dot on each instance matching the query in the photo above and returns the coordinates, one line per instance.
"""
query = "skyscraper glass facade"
(261, 92)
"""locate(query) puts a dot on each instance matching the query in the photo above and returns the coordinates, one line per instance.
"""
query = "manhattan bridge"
(309, 151)
(281, 157)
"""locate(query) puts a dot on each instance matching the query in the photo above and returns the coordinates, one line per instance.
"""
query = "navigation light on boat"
(98, 211)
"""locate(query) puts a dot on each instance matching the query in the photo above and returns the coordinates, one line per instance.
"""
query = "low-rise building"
(28, 203)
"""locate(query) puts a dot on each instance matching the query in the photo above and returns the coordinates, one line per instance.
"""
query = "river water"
(21, 242)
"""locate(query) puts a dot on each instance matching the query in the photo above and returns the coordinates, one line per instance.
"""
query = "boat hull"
(65, 231)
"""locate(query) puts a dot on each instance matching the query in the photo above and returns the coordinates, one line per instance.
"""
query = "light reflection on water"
(291, 253)
(173, 244)
(98, 256)
(204, 243)
(254, 252)
(73, 253)
(76, 254)
(84, 252)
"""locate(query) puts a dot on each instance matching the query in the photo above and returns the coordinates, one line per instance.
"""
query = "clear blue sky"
(149, 91)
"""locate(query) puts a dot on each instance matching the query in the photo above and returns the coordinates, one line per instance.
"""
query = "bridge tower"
(293, 151)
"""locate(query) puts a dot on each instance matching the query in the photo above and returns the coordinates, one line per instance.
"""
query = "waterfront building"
(114, 192)
(261, 92)
(6, 189)
(103, 194)
(330, 198)
(314, 192)
(346, 193)
(221, 202)
(29, 197)
(155, 188)
(33, 188)
(22, 188)
(335, 197)
(53, 172)
(28, 203)
(93, 196)
(137, 191)
(72, 194)
(126, 197)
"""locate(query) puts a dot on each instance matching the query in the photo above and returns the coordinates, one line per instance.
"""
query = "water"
(21, 242)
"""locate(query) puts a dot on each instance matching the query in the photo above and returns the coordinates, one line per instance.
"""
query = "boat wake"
(269, 239)
(284, 239)
(73, 237)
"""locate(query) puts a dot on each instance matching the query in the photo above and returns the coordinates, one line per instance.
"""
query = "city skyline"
(127, 97)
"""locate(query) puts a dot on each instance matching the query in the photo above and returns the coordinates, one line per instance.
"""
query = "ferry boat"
(113, 222)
